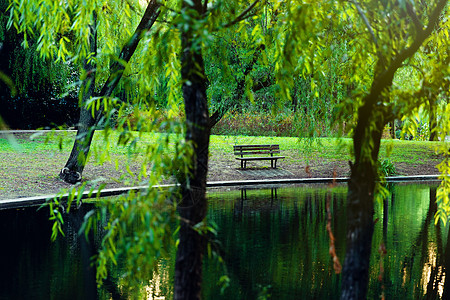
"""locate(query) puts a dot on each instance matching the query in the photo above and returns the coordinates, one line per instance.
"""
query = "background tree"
(89, 119)
(138, 226)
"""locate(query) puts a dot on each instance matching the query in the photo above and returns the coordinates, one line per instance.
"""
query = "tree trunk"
(359, 234)
(73, 170)
(360, 196)
(361, 187)
(432, 125)
(393, 129)
(193, 205)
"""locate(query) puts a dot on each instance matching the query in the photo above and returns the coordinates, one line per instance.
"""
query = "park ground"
(30, 164)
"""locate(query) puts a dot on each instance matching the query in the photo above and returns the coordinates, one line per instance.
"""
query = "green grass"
(331, 149)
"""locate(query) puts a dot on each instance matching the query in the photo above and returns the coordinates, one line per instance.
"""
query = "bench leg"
(274, 165)
(242, 164)
(271, 163)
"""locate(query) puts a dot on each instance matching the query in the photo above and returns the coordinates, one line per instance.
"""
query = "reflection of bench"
(244, 194)
(269, 150)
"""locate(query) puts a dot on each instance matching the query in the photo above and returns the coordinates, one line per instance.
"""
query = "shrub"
(387, 167)
(256, 123)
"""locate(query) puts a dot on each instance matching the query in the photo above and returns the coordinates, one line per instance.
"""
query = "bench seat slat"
(256, 149)
(250, 146)
(266, 147)
(256, 152)
(260, 158)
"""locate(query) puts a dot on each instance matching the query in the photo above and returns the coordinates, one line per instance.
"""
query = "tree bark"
(73, 170)
(432, 125)
(393, 129)
(360, 224)
(193, 205)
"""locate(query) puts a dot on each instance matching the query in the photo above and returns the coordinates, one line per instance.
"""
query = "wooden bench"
(269, 150)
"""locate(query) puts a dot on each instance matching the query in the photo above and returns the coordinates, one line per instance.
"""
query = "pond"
(274, 243)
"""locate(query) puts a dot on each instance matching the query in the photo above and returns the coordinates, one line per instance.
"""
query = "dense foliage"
(38, 92)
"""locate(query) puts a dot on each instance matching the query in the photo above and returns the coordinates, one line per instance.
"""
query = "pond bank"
(237, 184)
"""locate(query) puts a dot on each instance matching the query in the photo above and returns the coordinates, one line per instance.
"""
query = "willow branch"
(386, 77)
(243, 15)
(117, 68)
(366, 21)
(413, 15)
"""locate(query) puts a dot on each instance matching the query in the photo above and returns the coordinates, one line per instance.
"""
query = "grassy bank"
(30, 164)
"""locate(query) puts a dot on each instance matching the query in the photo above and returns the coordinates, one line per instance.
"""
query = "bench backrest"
(256, 149)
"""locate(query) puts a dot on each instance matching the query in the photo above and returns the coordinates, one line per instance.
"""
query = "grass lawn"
(31, 162)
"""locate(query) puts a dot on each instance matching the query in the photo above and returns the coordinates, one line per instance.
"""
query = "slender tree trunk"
(73, 170)
(294, 97)
(393, 129)
(193, 205)
(432, 125)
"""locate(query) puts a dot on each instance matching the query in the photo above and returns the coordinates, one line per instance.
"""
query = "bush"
(256, 124)
(261, 123)
(387, 167)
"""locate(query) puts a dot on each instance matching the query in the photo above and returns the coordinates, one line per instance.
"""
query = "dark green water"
(273, 244)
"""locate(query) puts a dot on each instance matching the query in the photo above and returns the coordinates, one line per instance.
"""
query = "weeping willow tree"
(381, 38)
(138, 227)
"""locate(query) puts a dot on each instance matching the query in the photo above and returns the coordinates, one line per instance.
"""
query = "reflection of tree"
(436, 273)
(446, 265)
(88, 248)
(39, 269)
(280, 243)
(430, 258)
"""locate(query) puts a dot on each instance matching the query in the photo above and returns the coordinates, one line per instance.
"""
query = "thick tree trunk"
(73, 170)
(359, 233)
(192, 207)
(360, 196)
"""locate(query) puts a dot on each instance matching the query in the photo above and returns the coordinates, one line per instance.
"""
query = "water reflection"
(33, 268)
(274, 242)
(277, 246)
(283, 245)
